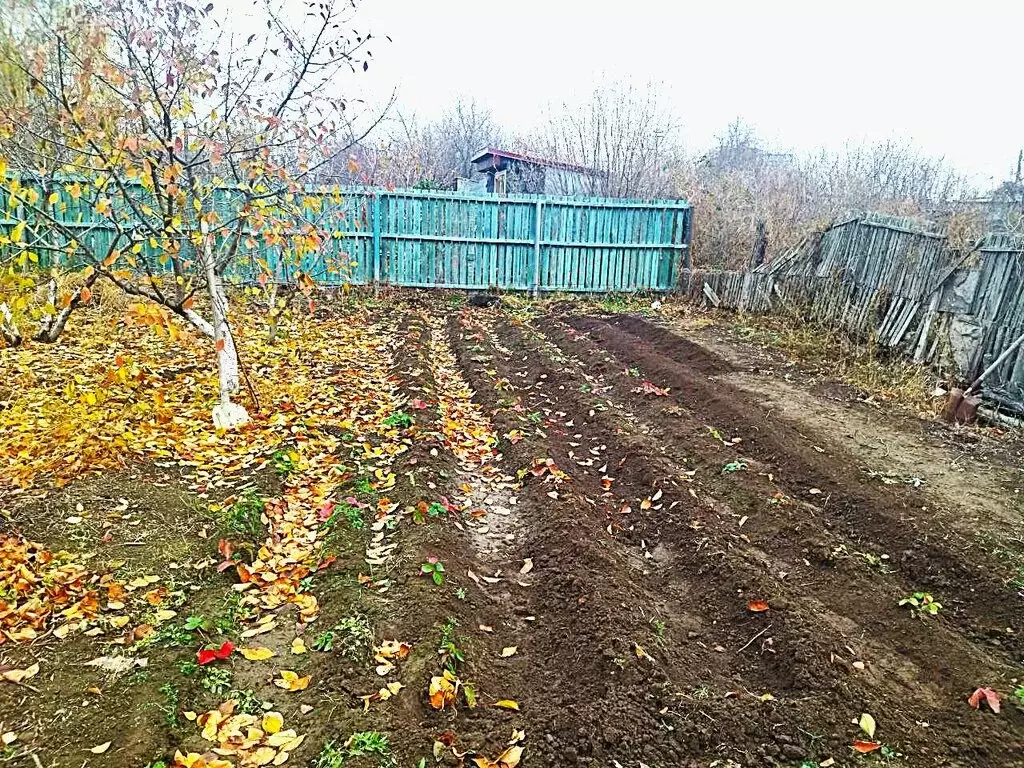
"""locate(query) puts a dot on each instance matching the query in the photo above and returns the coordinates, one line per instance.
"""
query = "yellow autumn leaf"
(867, 724)
(272, 722)
(508, 704)
(258, 653)
(99, 749)
(298, 645)
(262, 756)
(290, 681)
(509, 651)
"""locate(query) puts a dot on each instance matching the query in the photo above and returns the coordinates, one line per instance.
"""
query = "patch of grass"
(364, 487)
(216, 680)
(351, 637)
(171, 635)
(399, 419)
(247, 701)
(659, 628)
(360, 744)
(352, 515)
(863, 365)
(244, 516)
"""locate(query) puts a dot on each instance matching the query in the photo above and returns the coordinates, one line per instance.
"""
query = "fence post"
(538, 214)
(376, 238)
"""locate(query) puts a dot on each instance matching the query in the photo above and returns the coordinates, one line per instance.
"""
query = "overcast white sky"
(947, 75)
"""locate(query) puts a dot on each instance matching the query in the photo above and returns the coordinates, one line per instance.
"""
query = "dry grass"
(876, 371)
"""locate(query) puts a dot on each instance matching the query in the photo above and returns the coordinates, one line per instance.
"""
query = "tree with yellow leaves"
(156, 151)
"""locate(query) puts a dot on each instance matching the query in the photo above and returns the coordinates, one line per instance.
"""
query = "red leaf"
(326, 510)
(225, 650)
(225, 548)
(418, 404)
(220, 344)
(991, 698)
(205, 656)
(650, 389)
(757, 606)
(866, 746)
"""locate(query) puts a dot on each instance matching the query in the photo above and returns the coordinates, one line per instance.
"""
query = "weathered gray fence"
(899, 283)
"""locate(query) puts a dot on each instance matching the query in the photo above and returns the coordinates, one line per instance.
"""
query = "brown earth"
(682, 484)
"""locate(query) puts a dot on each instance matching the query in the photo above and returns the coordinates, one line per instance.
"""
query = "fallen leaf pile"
(465, 430)
(36, 585)
(249, 740)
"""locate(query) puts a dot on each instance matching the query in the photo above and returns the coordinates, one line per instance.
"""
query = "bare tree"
(407, 152)
(623, 132)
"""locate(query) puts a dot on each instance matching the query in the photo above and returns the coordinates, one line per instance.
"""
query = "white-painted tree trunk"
(9, 329)
(226, 414)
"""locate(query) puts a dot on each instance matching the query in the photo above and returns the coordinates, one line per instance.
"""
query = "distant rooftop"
(494, 152)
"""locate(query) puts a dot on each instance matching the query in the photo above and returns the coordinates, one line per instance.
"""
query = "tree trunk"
(8, 328)
(226, 414)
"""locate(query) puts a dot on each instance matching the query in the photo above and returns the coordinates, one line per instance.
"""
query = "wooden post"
(760, 244)
(538, 215)
(376, 239)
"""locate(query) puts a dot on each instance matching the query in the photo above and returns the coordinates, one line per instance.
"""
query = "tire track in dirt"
(906, 682)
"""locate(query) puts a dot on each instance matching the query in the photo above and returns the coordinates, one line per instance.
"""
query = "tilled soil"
(667, 555)
(612, 513)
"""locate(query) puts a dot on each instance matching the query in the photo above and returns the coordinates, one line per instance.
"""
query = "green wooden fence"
(453, 240)
(525, 242)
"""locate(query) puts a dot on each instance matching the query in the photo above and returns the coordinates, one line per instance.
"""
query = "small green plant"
(535, 417)
(156, 764)
(422, 511)
(1018, 694)
(172, 703)
(364, 487)
(247, 701)
(703, 692)
(188, 667)
(285, 462)
(734, 466)
(433, 568)
(922, 603)
(244, 517)
(448, 649)
(216, 680)
(460, 593)
(659, 628)
(399, 419)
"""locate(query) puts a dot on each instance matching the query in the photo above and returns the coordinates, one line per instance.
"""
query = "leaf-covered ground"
(457, 536)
